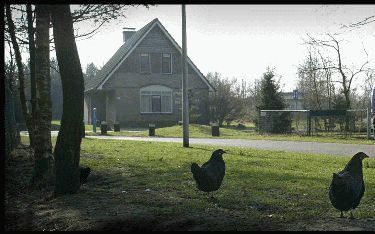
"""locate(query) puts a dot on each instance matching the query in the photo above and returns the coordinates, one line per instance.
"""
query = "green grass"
(258, 184)
(57, 124)
(289, 185)
(204, 131)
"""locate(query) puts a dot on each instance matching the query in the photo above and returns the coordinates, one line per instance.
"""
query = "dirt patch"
(334, 224)
(145, 222)
(92, 156)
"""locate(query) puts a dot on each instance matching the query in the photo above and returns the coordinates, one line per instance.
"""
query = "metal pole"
(185, 104)
(309, 123)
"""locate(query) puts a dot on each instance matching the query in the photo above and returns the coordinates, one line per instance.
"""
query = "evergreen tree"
(271, 99)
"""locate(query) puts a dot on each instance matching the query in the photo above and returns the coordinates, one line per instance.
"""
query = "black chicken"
(209, 176)
(84, 173)
(347, 186)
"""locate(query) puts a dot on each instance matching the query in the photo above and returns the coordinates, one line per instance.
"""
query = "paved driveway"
(292, 146)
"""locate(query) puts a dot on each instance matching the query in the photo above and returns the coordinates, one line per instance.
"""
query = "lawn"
(56, 125)
(204, 131)
(149, 186)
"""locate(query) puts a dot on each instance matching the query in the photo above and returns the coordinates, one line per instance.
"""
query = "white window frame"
(149, 63)
(170, 56)
(153, 90)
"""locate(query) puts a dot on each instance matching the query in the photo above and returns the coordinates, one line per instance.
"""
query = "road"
(291, 146)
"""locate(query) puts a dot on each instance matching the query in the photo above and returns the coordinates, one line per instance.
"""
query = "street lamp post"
(185, 105)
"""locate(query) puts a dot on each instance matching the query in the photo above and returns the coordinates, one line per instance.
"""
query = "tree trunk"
(12, 135)
(30, 30)
(21, 76)
(67, 149)
(43, 167)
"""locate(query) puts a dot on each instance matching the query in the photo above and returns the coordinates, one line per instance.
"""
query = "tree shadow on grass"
(131, 198)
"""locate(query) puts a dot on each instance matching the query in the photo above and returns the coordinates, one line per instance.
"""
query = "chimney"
(127, 33)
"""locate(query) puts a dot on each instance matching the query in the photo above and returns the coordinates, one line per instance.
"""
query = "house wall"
(98, 100)
(127, 106)
(86, 110)
(154, 43)
(292, 104)
(124, 102)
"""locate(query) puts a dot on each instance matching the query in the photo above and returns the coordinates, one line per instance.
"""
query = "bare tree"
(310, 82)
(88, 19)
(12, 134)
(224, 105)
(326, 64)
(347, 74)
(365, 21)
(368, 87)
(21, 75)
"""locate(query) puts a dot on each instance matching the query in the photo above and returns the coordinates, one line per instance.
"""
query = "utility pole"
(185, 104)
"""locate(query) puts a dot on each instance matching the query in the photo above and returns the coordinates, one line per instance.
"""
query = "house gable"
(145, 38)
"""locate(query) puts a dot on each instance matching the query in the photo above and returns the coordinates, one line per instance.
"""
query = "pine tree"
(271, 99)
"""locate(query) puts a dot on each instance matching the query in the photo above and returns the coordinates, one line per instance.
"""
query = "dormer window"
(145, 63)
(166, 63)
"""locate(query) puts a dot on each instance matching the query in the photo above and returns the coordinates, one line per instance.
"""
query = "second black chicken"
(347, 187)
(210, 175)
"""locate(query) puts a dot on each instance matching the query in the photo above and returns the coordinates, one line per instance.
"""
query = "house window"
(156, 103)
(156, 99)
(166, 63)
(145, 63)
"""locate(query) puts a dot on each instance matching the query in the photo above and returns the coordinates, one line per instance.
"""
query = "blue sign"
(295, 94)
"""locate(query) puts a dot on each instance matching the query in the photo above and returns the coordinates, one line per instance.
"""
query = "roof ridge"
(117, 57)
(125, 48)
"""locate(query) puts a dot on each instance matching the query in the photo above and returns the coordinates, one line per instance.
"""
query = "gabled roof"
(125, 50)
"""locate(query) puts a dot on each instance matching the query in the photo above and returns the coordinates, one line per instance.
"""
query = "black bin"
(151, 129)
(215, 130)
(116, 127)
(103, 128)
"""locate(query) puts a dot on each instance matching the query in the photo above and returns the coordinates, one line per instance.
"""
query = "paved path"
(292, 146)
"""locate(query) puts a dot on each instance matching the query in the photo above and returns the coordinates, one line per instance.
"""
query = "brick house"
(142, 82)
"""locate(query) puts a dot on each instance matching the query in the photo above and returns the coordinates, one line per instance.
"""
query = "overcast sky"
(242, 40)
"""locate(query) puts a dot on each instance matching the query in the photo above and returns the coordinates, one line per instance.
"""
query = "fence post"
(308, 123)
(259, 121)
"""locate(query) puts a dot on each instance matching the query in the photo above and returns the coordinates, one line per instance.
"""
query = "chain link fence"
(355, 123)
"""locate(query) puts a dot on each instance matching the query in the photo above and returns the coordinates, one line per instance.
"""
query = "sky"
(241, 41)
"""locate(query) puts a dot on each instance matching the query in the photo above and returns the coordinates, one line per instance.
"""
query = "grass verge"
(148, 186)
(204, 131)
